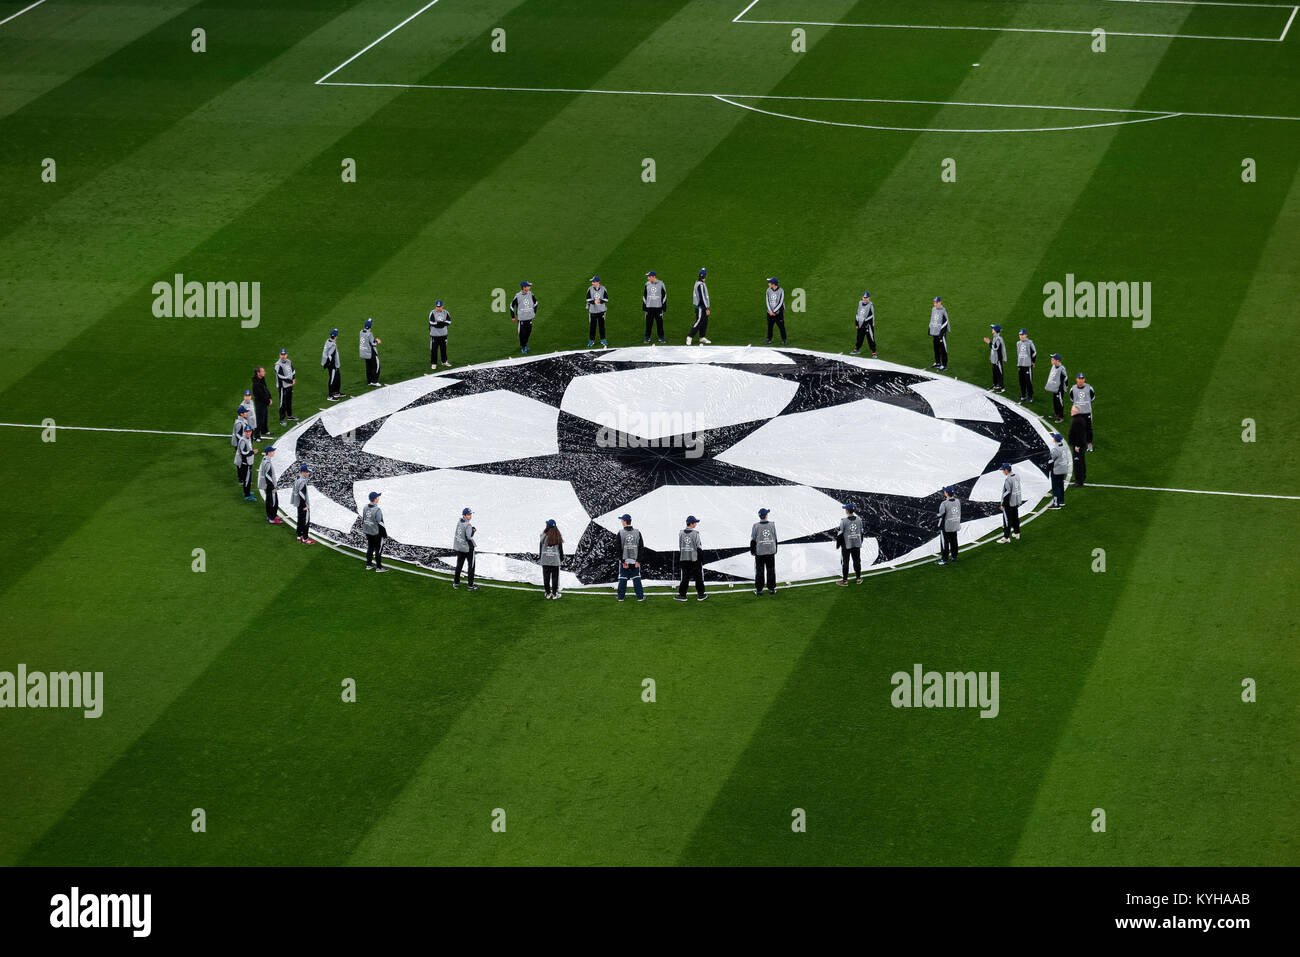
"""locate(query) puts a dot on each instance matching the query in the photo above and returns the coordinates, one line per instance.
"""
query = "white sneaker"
(447, 364)
(1003, 541)
(1015, 535)
(688, 340)
(705, 342)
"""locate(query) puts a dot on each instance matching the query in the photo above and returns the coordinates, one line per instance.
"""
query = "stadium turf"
(1120, 689)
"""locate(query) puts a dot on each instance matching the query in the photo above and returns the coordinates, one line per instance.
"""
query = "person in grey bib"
(439, 321)
(690, 558)
(237, 430)
(462, 544)
(523, 310)
(1058, 382)
(244, 455)
(1011, 502)
(849, 539)
(597, 299)
(774, 299)
(1060, 466)
(865, 320)
(266, 482)
(763, 546)
(629, 559)
(372, 524)
(949, 526)
(298, 499)
(550, 554)
(1026, 356)
(286, 377)
(370, 352)
(331, 363)
(1082, 396)
(939, 328)
(654, 300)
(700, 300)
(997, 358)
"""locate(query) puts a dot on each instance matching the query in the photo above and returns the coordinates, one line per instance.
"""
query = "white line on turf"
(91, 428)
(1194, 491)
(375, 43)
(13, 16)
(1287, 28)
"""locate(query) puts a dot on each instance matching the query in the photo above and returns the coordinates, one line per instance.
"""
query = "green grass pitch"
(1120, 690)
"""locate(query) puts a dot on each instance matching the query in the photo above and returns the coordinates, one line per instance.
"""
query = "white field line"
(375, 43)
(91, 428)
(1194, 491)
(14, 16)
(1045, 30)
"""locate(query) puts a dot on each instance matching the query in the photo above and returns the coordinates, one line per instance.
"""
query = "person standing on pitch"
(849, 539)
(298, 498)
(286, 378)
(1060, 465)
(261, 405)
(247, 403)
(997, 358)
(629, 559)
(775, 302)
(690, 555)
(523, 310)
(1078, 445)
(237, 430)
(597, 297)
(244, 455)
(763, 546)
(331, 363)
(372, 523)
(1057, 383)
(550, 553)
(266, 480)
(700, 299)
(1010, 504)
(949, 526)
(370, 352)
(439, 320)
(462, 544)
(866, 323)
(654, 300)
(1026, 356)
(939, 328)
(1082, 396)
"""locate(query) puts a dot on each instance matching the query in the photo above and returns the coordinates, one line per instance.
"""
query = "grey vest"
(997, 350)
(372, 516)
(463, 541)
(950, 514)
(367, 344)
(265, 475)
(596, 299)
(1011, 489)
(1082, 398)
(655, 295)
(629, 543)
(938, 320)
(299, 494)
(689, 545)
(851, 529)
(438, 321)
(524, 306)
(1057, 378)
(549, 555)
(284, 373)
(763, 535)
(1026, 354)
(1060, 461)
(866, 314)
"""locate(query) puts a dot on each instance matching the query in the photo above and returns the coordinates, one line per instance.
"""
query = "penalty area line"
(14, 16)
(1194, 491)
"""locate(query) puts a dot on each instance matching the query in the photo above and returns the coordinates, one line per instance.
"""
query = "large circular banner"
(662, 432)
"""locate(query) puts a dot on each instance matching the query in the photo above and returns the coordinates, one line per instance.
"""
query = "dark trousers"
(525, 332)
(626, 573)
(1058, 488)
(948, 546)
(1026, 381)
(997, 376)
(778, 321)
(372, 370)
(437, 347)
(272, 503)
(262, 413)
(374, 550)
(1010, 518)
(303, 528)
(940, 350)
(1058, 403)
(1087, 418)
(286, 402)
(692, 572)
(336, 381)
(1080, 466)
(551, 579)
(654, 318)
(856, 555)
(764, 573)
(595, 322)
(701, 325)
(463, 559)
(867, 332)
(246, 479)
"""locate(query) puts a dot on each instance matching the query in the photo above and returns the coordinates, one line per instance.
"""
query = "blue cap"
(438, 303)
(268, 448)
(524, 284)
(866, 295)
(762, 512)
(1006, 466)
(692, 520)
(1080, 375)
(995, 327)
(248, 430)
(950, 490)
(1056, 356)
(594, 279)
(466, 511)
(334, 333)
(847, 506)
(938, 298)
(284, 352)
(773, 280)
(1057, 436)
(1023, 332)
(304, 467)
(703, 272)
(550, 523)
(248, 392)
(652, 273)
(369, 323)
(373, 496)
(242, 410)
(625, 517)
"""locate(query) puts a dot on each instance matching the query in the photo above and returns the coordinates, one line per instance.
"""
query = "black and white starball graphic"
(660, 433)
